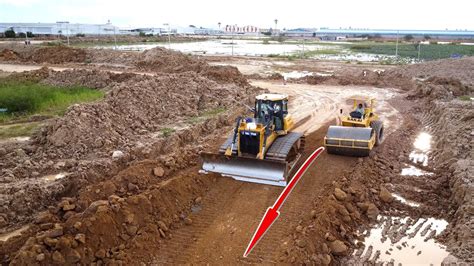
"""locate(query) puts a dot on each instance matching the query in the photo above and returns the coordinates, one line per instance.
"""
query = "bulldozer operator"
(271, 114)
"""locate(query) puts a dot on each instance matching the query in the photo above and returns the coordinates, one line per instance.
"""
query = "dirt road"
(226, 219)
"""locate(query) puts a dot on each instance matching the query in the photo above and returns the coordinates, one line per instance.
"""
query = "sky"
(373, 14)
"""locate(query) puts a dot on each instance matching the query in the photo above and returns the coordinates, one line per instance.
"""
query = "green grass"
(25, 98)
(465, 98)
(205, 115)
(166, 131)
(427, 52)
(18, 130)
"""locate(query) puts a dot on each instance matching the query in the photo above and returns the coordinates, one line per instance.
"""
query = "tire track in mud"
(232, 210)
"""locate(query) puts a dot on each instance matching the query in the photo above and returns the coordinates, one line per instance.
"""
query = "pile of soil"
(32, 76)
(168, 61)
(132, 109)
(362, 78)
(90, 78)
(460, 69)
(58, 55)
(112, 57)
(9, 55)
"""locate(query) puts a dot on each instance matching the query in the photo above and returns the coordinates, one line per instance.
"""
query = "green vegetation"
(205, 115)
(465, 98)
(427, 51)
(166, 131)
(18, 130)
(10, 33)
(25, 98)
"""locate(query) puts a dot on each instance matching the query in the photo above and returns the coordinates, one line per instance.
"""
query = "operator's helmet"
(360, 105)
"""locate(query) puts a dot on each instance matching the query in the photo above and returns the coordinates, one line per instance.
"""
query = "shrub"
(10, 33)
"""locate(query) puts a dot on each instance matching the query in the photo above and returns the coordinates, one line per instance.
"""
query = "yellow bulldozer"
(358, 132)
(262, 149)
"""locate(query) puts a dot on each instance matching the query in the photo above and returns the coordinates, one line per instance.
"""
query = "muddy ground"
(118, 181)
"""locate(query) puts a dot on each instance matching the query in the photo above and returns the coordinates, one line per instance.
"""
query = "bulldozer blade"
(246, 169)
(350, 141)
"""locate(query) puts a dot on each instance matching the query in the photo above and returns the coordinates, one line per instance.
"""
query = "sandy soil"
(152, 206)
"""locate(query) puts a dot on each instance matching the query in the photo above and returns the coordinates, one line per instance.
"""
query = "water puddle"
(405, 201)
(403, 240)
(414, 171)
(422, 147)
(302, 74)
(6, 236)
(51, 178)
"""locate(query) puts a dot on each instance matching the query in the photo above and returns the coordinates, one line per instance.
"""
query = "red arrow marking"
(272, 212)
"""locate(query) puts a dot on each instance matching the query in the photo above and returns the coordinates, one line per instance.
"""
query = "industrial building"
(61, 27)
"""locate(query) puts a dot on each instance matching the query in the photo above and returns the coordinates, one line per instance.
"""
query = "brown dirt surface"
(134, 195)
(168, 61)
(9, 55)
(58, 55)
(96, 79)
(460, 69)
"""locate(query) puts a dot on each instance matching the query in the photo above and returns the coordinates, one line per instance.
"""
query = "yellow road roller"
(358, 132)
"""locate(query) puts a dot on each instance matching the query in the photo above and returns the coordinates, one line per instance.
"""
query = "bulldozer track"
(188, 242)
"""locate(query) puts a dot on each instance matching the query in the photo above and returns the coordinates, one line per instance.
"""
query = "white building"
(60, 27)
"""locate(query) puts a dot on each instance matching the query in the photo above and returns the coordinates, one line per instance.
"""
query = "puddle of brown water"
(403, 240)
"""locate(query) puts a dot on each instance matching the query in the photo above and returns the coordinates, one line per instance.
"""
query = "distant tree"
(427, 37)
(30, 34)
(21, 35)
(141, 34)
(408, 37)
(10, 33)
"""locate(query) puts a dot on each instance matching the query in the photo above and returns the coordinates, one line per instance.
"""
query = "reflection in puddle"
(422, 147)
(414, 171)
(403, 240)
(302, 74)
(405, 201)
(423, 142)
(54, 177)
(6, 236)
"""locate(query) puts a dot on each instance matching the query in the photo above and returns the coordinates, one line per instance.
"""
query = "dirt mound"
(58, 55)
(85, 77)
(112, 57)
(362, 78)
(9, 55)
(225, 74)
(435, 88)
(133, 109)
(168, 61)
(461, 69)
(33, 76)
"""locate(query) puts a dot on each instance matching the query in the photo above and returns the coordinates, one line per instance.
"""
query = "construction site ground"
(118, 181)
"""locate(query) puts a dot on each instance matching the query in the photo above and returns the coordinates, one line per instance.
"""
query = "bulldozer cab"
(271, 109)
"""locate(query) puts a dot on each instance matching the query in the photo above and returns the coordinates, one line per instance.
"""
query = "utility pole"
(169, 35)
(67, 32)
(396, 46)
(232, 43)
(419, 50)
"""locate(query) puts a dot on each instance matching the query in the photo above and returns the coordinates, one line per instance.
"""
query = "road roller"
(357, 133)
